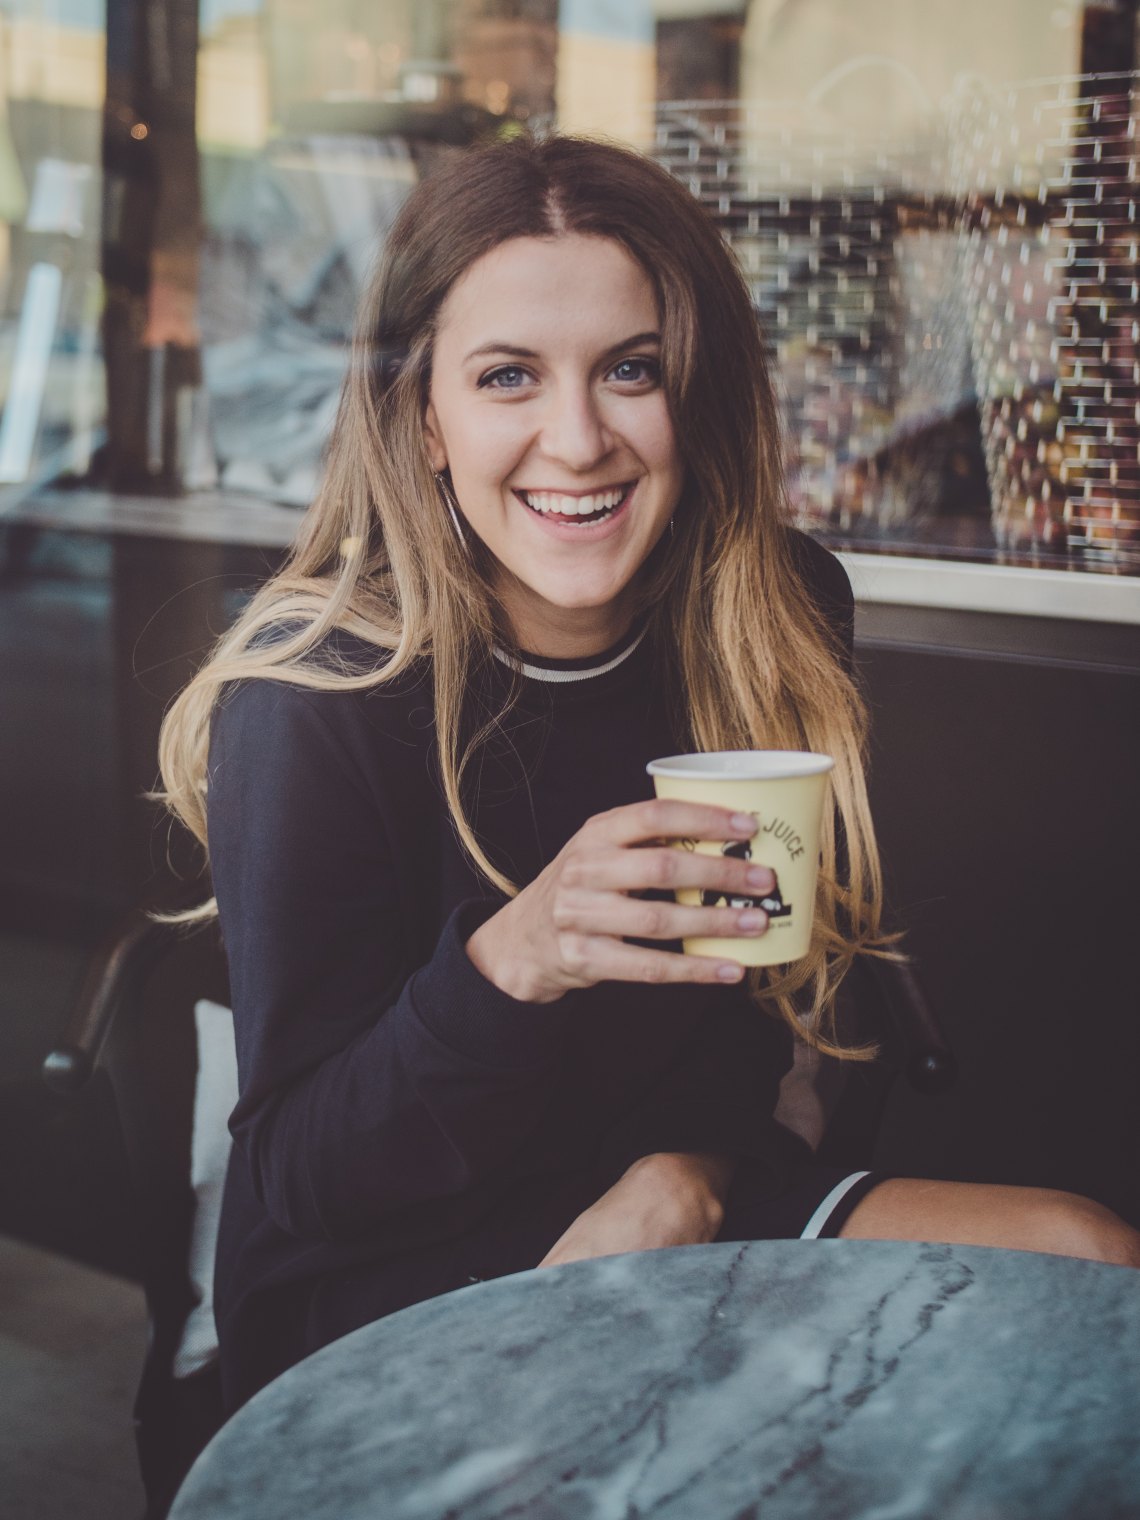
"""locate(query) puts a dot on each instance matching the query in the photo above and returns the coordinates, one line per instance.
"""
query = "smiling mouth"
(592, 508)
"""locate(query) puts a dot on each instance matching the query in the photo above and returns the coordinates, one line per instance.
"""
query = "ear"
(433, 439)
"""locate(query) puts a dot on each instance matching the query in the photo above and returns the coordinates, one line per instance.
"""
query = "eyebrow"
(516, 352)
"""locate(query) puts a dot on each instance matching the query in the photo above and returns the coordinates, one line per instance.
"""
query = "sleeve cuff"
(461, 1008)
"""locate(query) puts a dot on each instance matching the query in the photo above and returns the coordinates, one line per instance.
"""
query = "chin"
(576, 598)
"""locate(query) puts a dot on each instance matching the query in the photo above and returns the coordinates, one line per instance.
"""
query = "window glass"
(51, 378)
(828, 139)
(857, 154)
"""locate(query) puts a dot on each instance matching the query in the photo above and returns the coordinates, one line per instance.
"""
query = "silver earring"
(671, 529)
(453, 507)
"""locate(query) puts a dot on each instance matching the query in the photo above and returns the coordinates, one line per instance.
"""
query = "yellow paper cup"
(785, 791)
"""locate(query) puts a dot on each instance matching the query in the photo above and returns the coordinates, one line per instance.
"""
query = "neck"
(570, 633)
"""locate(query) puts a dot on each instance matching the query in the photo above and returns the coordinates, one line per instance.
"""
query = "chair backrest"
(135, 1018)
(838, 1106)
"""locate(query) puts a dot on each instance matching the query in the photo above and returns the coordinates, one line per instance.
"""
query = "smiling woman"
(549, 547)
(557, 442)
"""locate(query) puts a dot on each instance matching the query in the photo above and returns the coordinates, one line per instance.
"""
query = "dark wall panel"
(1007, 797)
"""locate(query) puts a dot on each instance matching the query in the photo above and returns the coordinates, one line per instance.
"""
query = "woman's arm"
(661, 1200)
(366, 1085)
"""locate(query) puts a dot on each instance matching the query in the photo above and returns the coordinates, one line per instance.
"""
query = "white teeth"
(572, 506)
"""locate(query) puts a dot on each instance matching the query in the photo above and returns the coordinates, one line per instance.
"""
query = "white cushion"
(214, 1100)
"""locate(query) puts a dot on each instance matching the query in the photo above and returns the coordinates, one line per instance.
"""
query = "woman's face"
(547, 407)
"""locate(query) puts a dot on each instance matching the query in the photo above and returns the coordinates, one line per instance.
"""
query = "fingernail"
(759, 876)
(730, 972)
(744, 822)
(752, 919)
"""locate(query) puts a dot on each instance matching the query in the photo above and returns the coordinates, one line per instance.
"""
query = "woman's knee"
(1070, 1225)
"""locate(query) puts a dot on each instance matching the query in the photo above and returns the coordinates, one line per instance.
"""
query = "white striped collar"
(565, 670)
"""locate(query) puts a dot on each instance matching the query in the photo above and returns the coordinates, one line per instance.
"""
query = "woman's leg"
(988, 1214)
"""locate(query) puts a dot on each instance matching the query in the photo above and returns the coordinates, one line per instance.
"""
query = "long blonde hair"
(756, 664)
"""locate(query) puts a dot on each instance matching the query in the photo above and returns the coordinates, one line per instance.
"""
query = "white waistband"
(823, 1213)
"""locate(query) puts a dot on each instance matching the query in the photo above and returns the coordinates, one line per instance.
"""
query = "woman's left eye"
(636, 369)
(508, 377)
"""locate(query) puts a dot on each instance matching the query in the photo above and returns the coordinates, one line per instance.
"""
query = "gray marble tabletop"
(817, 1379)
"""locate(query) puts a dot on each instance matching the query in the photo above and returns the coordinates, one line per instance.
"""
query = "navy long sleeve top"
(404, 1126)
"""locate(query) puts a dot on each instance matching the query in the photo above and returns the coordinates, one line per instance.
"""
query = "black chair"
(135, 1018)
(884, 1002)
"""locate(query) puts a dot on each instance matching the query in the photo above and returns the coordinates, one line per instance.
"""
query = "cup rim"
(742, 765)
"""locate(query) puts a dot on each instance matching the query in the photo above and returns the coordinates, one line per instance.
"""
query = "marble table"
(816, 1379)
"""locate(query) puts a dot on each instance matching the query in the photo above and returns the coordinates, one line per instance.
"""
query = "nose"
(575, 432)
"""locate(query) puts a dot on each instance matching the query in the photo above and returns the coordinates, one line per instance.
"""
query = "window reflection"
(815, 135)
(51, 92)
(821, 135)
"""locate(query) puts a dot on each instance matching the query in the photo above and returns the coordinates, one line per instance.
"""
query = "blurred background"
(935, 207)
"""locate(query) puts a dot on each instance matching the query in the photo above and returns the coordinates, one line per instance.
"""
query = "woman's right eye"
(508, 377)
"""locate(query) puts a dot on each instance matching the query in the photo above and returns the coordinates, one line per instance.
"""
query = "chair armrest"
(117, 970)
(930, 1064)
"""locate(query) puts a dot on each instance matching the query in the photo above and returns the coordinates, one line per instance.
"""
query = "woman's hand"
(668, 1199)
(566, 928)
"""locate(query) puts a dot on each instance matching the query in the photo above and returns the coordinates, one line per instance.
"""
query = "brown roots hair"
(756, 665)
